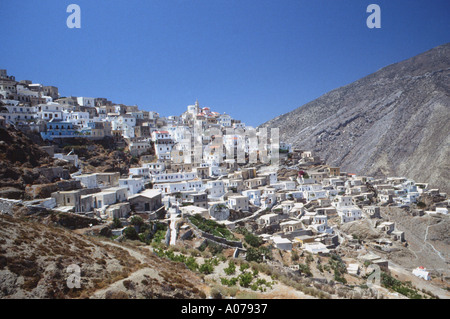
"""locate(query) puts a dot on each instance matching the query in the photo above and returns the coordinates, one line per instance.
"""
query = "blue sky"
(252, 59)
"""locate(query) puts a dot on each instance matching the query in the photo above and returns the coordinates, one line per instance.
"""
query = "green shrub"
(294, 256)
(159, 236)
(207, 267)
(304, 269)
(211, 227)
(229, 282)
(137, 221)
(254, 254)
(398, 286)
(231, 269)
(131, 233)
(116, 223)
(245, 279)
(192, 264)
(244, 267)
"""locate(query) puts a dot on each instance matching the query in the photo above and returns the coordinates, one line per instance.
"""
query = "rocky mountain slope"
(28, 172)
(394, 122)
(23, 163)
(35, 256)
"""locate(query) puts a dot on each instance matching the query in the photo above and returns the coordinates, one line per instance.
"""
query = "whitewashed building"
(133, 185)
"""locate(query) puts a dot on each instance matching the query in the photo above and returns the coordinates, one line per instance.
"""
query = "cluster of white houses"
(289, 212)
(294, 210)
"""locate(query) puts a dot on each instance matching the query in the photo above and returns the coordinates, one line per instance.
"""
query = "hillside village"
(287, 202)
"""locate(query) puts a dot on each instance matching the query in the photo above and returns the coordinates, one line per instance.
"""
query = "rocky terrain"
(35, 256)
(428, 241)
(27, 172)
(99, 155)
(23, 163)
(394, 122)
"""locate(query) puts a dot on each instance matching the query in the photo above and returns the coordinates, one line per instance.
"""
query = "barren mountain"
(394, 122)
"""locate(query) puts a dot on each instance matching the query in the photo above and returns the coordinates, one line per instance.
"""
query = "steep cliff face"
(395, 121)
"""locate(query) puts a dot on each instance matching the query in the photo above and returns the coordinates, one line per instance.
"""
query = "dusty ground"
(428, 240)
(34, 259)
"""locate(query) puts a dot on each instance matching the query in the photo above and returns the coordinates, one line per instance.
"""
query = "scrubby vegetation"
(399, 286)
(249, 237)
(211, 227)
(246, 278)
(339, 268)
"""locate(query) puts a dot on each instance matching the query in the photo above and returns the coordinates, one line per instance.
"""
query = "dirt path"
(425, 240)
(173, 229)
(139, 256)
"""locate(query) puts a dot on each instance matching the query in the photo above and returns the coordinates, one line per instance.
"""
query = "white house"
(342, 201)
(167, 188)
(349, 214)
(238, 202)
(268, 198)
(49, 111)
(291, 225)
(287, 147)
(284, 185)
(421, 272)
(315, 195)
(316, 248)
(442, 210)
(87, 180)
(133, 185)
(215, 188)
(253, 195)
(282, 243)
(273, 179)
(163, 150)
(294, 195)
(268, 219)
(320, 223)
(155, 168)
(20, 113)
(110, 196)
(86, 101)
(127, 119)
(140, 171)
(224, 120)
(78, 118)
(174, 177)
